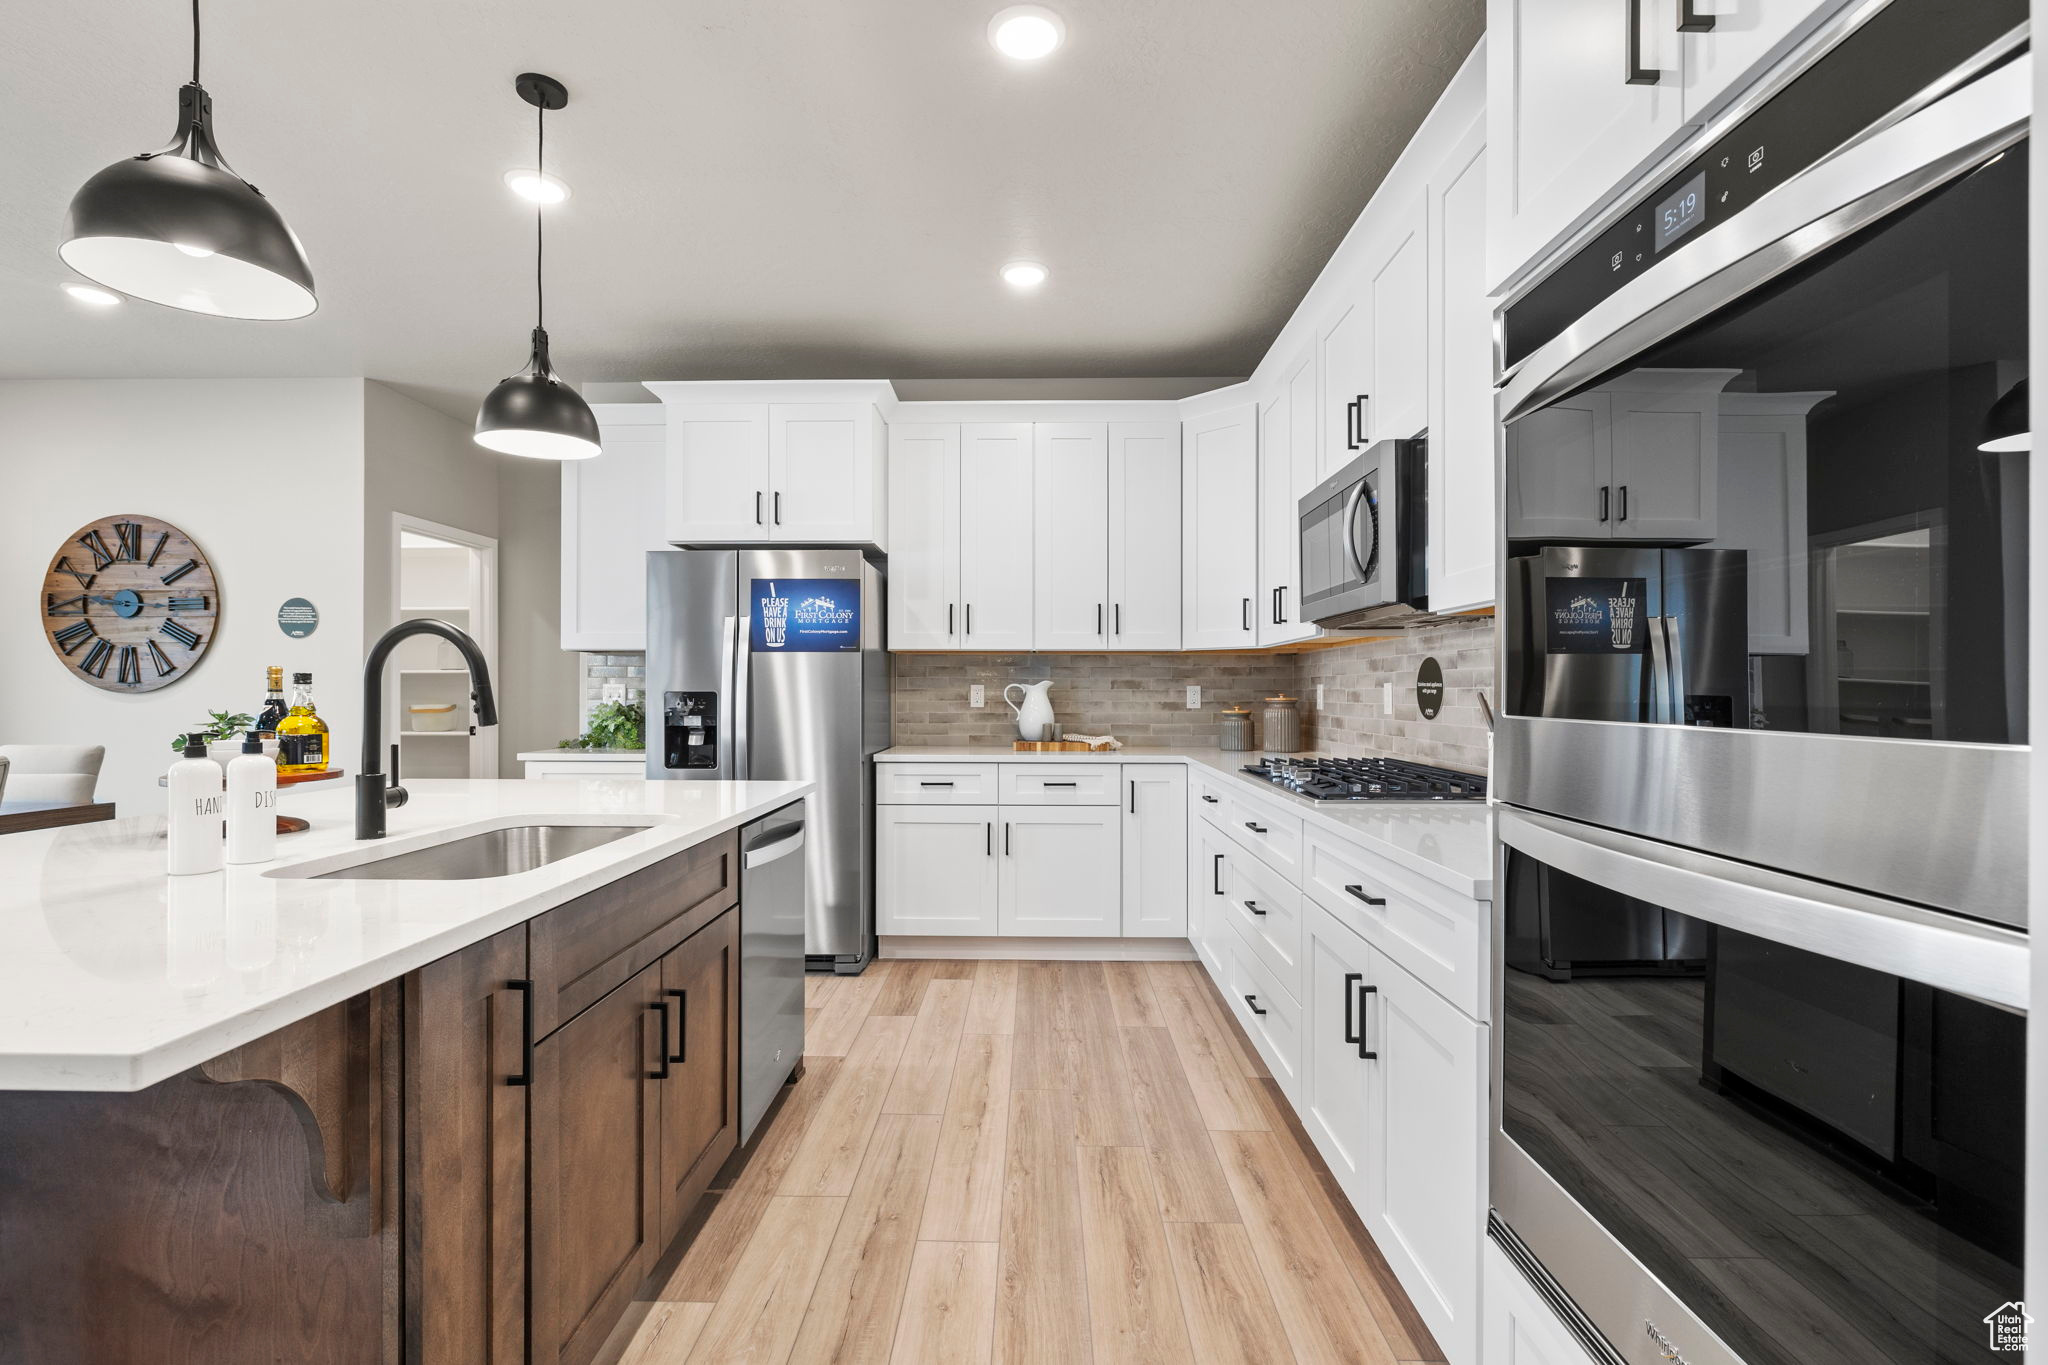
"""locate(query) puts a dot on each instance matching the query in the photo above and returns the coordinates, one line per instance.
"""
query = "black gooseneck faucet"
(376, 794)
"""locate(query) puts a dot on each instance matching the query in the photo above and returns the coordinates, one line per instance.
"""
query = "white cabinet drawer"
(1269, 1015)
(1272, 832)
(1061, 784)
(935, 784)
(1435, 933)
(1267, 914)
(1207, 795)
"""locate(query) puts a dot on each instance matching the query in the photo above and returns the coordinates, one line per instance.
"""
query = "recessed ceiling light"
(1024, 274)
(93, 294)
(536, 187)
(1026, 32)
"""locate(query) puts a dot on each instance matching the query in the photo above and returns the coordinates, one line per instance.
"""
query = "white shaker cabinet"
(1070, 563)
(924, 535)
(717, 491)
(1580, 96)
(1219, 509)
(1399, 407)
(1060, 871)
(936, 869)
(1287, 469)
(1344, 354)
(1462, 539)
(997, 489)
(1763, 510)
(1521, 1328)
(824, 473)
(611, 518)
(1337, 1076)
(1209, 855)
(1144, 535)
(1155, 850)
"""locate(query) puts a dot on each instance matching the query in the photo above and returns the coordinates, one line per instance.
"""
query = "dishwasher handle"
(776, 848)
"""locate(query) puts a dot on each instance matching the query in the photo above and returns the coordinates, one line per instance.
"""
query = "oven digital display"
(1685, 210)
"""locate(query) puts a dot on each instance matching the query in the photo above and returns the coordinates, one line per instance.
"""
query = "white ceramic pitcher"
(1034, 715)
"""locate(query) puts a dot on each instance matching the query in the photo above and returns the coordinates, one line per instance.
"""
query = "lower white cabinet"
(1521, 1328)
(1060, 871)
(1208, 891)
(1334, 1107)
(1155, 850)
(935, 869)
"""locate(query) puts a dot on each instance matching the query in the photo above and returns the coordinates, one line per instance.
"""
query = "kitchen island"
(266, 1114)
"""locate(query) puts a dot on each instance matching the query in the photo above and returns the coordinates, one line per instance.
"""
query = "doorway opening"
(451, 575)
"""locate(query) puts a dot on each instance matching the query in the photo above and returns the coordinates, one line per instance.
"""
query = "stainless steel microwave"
(1364, 546)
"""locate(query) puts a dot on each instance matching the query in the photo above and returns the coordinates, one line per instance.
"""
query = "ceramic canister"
(1283, 726)
(1236, 731)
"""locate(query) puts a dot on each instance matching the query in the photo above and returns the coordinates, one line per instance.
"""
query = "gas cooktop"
(1369, 779)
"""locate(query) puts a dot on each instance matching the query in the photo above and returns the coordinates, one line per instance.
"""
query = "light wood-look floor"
(1031, 1163)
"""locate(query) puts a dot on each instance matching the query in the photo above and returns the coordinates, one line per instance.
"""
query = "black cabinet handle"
(1633, 71)
(661, 1048)
(1276, 606)
(1690, 20)
(1351, 1007)
(1247, 615)
(1059, 784)
(1210, 799)
(949, 618)
(1253, 906)
(1006, 838)
(1280, 611)
(935, 784)
(970, 619)
(1098, 618)
(1603, 501)
(757, 507)
(682, 1052)
(1253, 1001)
(1359, 892)
(1134, 798)
(988, 840)
(1217, 873)
(1256, 829)
(1622, 514)
(778, 507)
(1364, 1054)
(525, 989)
(1116, 615)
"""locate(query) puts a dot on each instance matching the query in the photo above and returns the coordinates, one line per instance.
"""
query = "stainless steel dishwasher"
(771, 959)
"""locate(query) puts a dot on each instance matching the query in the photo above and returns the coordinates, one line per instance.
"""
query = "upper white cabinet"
(1219, 511)
(1636, 459)
(766, 472)
(1462, 539)
(1763, 510)
(611, 518)
(997, 485)
(924, 547)
(1071, 560)
(1344, 345)
(1287, 469)
(1399, 406)
(1144, 535)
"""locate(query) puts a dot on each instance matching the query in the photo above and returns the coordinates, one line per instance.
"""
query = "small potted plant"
(613, 725)
(223, 735)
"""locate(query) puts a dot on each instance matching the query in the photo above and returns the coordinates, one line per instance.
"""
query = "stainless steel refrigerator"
(768, 664)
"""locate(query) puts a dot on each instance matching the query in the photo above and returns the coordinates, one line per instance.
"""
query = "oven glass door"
(1850, 433)
(1822, 1161)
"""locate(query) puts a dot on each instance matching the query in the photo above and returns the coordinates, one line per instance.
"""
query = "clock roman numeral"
(79, 576)
(96, 659)
(74, 635)
(163, 538)
(180, 632)
(164, 666)
(128, 534)
(101, 555)
(68, 606)
(174, 575)
(187, 604)
(131, 667)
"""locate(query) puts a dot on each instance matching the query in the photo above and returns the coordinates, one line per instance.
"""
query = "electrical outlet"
(977, 697)
(614, 691)
(1386, 699)
(1319, 696)
(1194, 696)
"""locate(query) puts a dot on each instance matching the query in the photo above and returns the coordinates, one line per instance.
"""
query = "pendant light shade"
(534, 413)
(2008, 426)
(178, 227)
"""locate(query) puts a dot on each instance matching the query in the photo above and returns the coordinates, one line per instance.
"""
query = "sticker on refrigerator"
(805, 615)
(1594, 616)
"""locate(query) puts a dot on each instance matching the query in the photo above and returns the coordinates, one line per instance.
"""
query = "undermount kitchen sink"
(494, 853)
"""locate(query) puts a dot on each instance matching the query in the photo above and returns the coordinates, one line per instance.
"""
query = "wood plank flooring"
(1032, 1163)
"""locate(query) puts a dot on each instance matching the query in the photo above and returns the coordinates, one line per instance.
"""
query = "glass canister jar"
(1283, 726)
(1236, 733)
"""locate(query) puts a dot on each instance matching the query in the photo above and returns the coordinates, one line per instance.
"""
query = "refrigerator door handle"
(728, 649)
(1675, 667)
(1660, 670)
(742, 667)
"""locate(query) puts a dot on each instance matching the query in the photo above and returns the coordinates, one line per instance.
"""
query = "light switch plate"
(1194, 696)
(1386, 699)
(614, 691)
(1319, 696)
(976, 697)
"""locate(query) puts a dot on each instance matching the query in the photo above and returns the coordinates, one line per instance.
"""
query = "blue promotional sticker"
(1595, 616)
(805, 615)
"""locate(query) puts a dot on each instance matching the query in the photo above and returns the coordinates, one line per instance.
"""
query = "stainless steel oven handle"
(1660, 671)
(1951, 953)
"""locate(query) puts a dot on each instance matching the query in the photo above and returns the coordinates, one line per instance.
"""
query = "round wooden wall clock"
(129, 603)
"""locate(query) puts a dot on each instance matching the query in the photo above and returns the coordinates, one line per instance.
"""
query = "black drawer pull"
(1363, 1053)
(1210, 799)
(1359, 892)
(1059, 784)
(1351, 1007)
(682, 1052)
(525, 989)
(661, 1047)
(935, 784)
(1253, 1001)
(1256, 829)
(1253, 906)
(1218, 870)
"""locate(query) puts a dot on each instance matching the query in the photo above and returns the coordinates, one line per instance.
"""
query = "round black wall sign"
(1429, 689)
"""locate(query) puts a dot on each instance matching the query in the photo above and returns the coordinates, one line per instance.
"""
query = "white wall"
(265, 474)
(537, 701)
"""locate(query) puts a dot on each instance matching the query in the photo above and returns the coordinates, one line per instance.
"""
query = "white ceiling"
(761, 188)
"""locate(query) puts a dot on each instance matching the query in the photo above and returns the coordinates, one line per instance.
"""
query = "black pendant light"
(177, 226)
(534, 413)
(2008, 427)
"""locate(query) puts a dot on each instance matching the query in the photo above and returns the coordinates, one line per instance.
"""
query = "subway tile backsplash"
(1353, 721)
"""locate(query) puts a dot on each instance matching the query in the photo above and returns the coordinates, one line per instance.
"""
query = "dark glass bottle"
(274, 709)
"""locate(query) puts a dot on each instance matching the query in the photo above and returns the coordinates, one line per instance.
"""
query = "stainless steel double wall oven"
(1759, 1039)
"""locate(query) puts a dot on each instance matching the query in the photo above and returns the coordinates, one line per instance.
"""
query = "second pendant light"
(534, 413)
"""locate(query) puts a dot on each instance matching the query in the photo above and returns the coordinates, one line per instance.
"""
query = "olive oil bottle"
(302, 735)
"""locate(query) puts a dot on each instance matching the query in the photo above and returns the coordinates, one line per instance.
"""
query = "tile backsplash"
(596, 671)
(1353, 719)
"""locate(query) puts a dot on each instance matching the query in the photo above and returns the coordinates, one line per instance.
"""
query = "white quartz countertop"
(114, 976)
(1450, 842)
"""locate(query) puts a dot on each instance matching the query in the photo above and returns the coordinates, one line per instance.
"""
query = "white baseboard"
(1042, 949)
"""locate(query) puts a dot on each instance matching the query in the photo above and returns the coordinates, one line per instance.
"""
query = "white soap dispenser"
(197, 808)
(252, 803)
